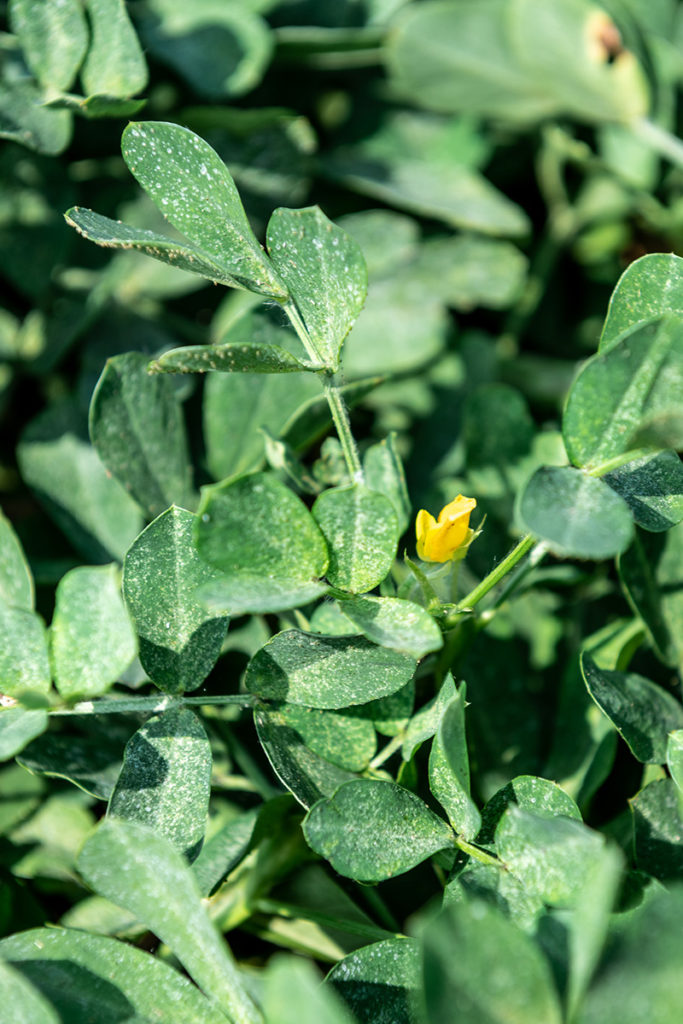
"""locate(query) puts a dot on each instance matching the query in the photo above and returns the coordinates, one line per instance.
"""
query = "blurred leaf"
(72, 971)
(499, 974)
(550, 856)
(652, 487)
(137, 427)
(361, 531)
(24, 120)
(326, 671)
(141, 871)
(22, 1000)
(219, 49)
(623, 390)
(264, 541)
(165, 779)
(24, 665)
(642, 712)
(325, 272)
(577, 515)
(293, 995)
(179, 641)
(379, 982)
(449, 769)
(17, 728)
(657, 824)
(648, 288)
(63, 469)
(16, 580)
(371, 830)
(539, 796)
(115, 65)
(639, 578)
(91, 639)
(53, 37)
(639, 978)
(395, 623)
(469, 271)
(384, 472)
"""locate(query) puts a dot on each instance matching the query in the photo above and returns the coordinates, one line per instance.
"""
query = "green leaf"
(499, 974)
(639, 978)
(165, 781)
(326, 671)
(470, 271)
(345, 739)
(24, 120)
(22, 1001)
(577, 515)
(670, 588)
(112, 234)
(371, 830)
(141, 871)
(219, 49)
(449, 769)
(53, 37)
(306, 774)
(16, 580)
(425, 722)
(380, 982)
(91, 761)
(657, 830)
(24, 664)
(293, 995)
(638, 573)
(63, 469)
(193, 188)
(498, 428)
(250, 358)
(313, 419)
(361, 530)
(91, 640)
(540, 796)
(649, 287)
(550, 856)
(487, 882)
(179, 641)
(652, 487)
(325, 273)
(674, 761)
(73, 972)
(642, 712)
(384, 472)
(395, 623)
(17, 728)
(623, 391)
(264, 540)
(137, 427)
(224, 850)
(115, 65)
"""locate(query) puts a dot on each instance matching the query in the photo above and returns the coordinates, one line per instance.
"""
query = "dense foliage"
(268, 713)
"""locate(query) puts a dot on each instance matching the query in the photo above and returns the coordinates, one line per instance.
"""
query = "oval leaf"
(371, 830)
(24, 664)
(577, 515)
(247, 358)
(380, 982)
(16, 581)
(326, 671)
(648, 287)
(361, 530)
(392, 622)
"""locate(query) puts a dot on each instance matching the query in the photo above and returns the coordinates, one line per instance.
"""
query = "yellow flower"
(448, 537)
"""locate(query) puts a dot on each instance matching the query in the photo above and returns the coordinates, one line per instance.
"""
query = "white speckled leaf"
(137, 427)
(325, 272)
(179, 641)
(16, 581)
(73, 971)
(449, 769)
(361, 530)
(193, 188)
(648, 287)
(371, 830)
(165, 781)
(115, 65)
(24, 664)
(142, 872)
(326, 671)
(392, 622)
(384, 473)
(381, 982)
(91, 640)
(17, 728)
(262, 537)
(247, 358)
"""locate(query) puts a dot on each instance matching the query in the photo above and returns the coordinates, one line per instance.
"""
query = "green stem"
(154, 704)
(619, 460)
(660, 140)
(474, 851)
(386, 752)
(340, 416)
(495, 576)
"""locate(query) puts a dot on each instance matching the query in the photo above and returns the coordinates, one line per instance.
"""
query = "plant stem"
(154, 704)
(660, 140)
(385, 753)
(494, 577)
(619, 460)
(474, 851)
(340, 416)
